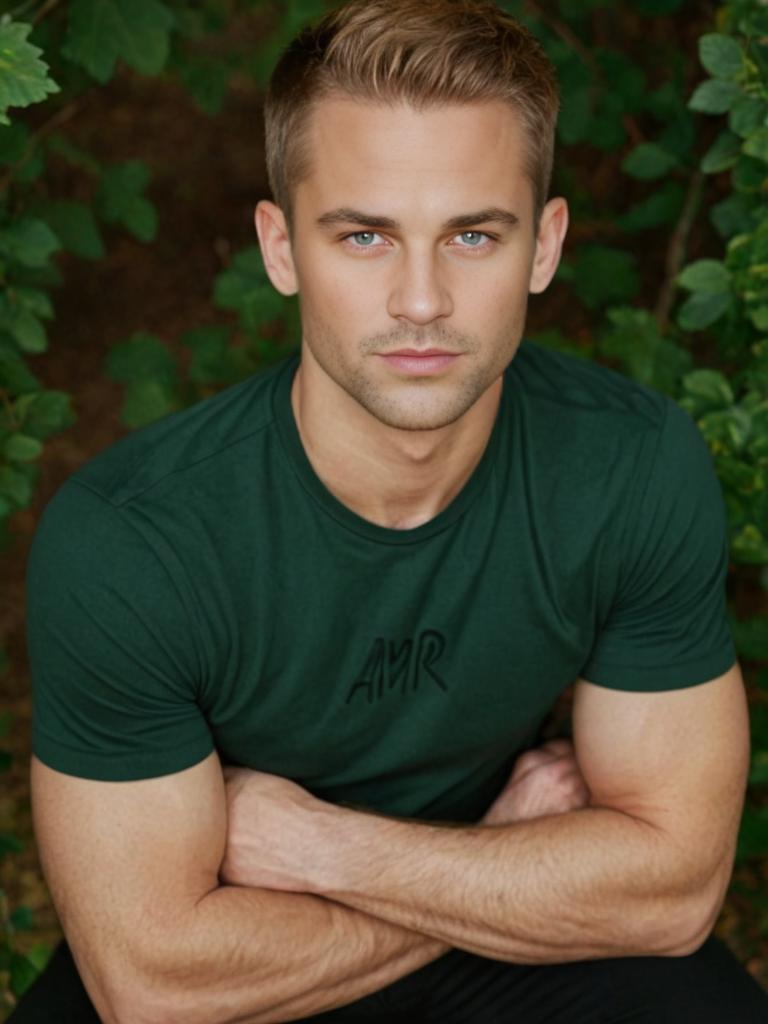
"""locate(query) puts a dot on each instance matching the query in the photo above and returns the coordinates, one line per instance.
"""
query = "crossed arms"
(245, 900)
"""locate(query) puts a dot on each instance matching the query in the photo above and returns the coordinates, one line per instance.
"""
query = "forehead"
(396, 158)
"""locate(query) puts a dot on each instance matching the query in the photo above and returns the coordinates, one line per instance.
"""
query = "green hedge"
(697, 135)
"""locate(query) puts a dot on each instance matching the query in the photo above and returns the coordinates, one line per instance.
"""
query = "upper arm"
(677, 759)
(124, 862)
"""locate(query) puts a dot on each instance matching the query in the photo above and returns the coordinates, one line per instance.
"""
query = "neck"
(394, 478)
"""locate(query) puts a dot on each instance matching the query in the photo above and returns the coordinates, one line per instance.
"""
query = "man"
(288, 644)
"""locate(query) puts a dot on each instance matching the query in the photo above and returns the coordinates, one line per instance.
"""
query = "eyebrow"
(346, 215)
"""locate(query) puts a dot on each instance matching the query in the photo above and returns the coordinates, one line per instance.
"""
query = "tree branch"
(45, 9)
(59, 118)
(676, 249)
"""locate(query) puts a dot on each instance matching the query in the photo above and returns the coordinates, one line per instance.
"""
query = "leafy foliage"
(23, 76)
(101, 32)
(697, 330)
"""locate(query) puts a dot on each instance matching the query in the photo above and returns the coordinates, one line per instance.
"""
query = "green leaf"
(14, 373)
(33, 299)
(710, 276)
(722, 154)
(634, 339)
(23, 973)
(9, 844)
(727, 429)
(141, 356)
(714, 96)
(28, 241)
(22, 919)
(750, 546)
(245, 287)
(601, 274)
(756, 145)
(23, 77)
(759, 769)
(120, 199)
(648, 161)
(39, 955)
(20, 448)
(211, 355)
(15, 486)
(747, 114)
(22, 325)
(709, 389)
(721, 55)
(75, 227)
(205, 78)
(749, 175)
(702, 309)
(149, 370)
(147, 401)
(661, 207)
(100, 32)
(44, 413)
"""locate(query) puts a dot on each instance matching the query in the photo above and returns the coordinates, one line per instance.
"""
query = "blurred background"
(131, 285)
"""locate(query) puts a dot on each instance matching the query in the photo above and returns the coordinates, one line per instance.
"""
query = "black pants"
(708, 987)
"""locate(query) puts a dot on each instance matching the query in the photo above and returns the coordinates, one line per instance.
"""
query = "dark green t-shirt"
(196, 586)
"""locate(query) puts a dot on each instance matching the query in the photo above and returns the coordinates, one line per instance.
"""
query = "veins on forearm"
(587, 883)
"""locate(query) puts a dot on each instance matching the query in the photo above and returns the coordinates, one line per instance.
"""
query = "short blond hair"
(427, 53)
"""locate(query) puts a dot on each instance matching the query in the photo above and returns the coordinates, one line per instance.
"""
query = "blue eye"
(372, 234)
(357, 234)
(465, 233)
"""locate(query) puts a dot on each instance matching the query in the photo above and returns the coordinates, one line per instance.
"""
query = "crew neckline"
(291, 440)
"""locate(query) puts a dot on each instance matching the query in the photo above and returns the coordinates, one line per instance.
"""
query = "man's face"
(367, 290)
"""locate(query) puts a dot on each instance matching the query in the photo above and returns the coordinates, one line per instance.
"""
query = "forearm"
(587, 884)
(255, 956)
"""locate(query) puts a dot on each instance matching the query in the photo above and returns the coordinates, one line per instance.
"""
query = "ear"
(275, 245)
(549, 244)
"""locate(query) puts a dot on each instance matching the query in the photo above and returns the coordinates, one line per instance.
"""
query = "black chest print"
(404, 668)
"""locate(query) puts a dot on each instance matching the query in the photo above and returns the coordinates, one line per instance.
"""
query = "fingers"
(549, 751)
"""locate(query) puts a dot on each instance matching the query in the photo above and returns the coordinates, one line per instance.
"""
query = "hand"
(545, 780)
(269, 831)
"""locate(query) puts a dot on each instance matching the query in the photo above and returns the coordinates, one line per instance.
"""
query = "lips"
(426, 363)
(421, 352)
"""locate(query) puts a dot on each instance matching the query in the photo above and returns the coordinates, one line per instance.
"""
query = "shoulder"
(547, 377)
(587, 425)
(175, 445)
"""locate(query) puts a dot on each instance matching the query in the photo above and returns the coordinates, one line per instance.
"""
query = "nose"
(419, 289)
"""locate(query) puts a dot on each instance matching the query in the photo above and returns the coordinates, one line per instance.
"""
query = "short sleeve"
(111, 650)
(667, 627)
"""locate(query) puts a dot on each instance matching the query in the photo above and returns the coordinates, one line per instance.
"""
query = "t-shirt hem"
(670, 677)
(109, 768)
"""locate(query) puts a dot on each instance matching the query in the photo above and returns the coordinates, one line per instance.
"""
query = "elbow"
(145, 1001)
(118, 993)
(135, 997)
(140, 1006)
(690, 923)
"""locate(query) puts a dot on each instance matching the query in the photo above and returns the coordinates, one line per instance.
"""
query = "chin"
(402, 417)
